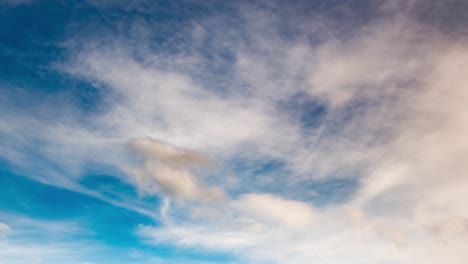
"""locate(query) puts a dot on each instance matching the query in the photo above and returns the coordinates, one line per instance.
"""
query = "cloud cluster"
(165, 169)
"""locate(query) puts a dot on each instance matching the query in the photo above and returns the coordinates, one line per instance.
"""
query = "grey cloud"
(450, 228)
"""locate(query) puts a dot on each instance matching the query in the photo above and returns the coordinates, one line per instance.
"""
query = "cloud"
(450, 228)
(247, 224)
(4, 229)
(165, 169)
(388, 232)
(272, 208)
(170, 155)
(39, 241)
(422, 173)
(365, 66)
(265, 228)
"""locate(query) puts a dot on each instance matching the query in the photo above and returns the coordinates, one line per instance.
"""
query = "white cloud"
(271, 208)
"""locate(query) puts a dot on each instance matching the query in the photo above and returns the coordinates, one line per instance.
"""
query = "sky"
(253, 132)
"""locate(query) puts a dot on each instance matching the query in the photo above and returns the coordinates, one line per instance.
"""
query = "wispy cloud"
(39, 241)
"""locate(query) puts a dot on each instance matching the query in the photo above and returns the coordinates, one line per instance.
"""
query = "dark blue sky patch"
(304, 109)
(258, 175)
(256, 167)
(33, 38)
(328, 191)
(320, 192)
(30, 35)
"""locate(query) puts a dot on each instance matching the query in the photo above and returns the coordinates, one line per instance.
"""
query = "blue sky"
(257, 132)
